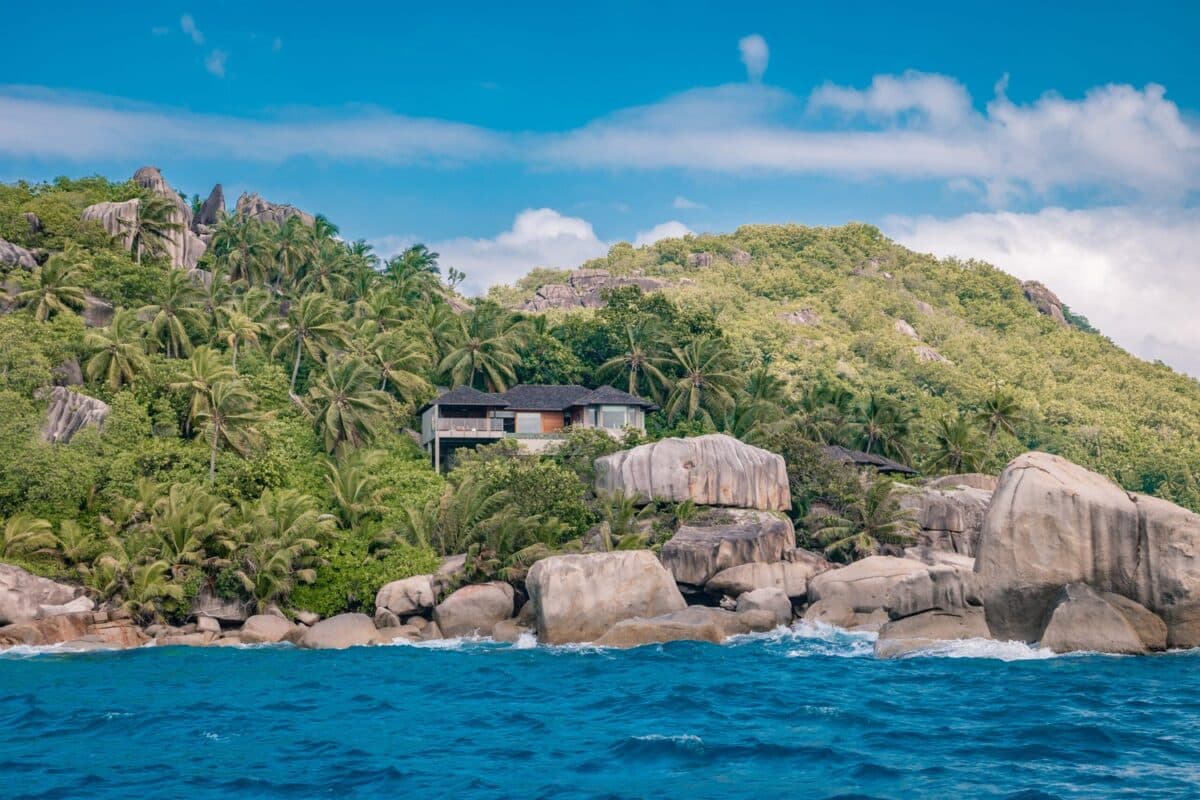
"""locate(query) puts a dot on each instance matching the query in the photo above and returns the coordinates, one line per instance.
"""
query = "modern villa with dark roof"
(535, 415)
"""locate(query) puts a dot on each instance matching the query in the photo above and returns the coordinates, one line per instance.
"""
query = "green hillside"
(255, 445)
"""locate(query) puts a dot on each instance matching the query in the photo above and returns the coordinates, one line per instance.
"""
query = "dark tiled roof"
(543, 397)
(861, 459)
(466, 396)
(607, 395)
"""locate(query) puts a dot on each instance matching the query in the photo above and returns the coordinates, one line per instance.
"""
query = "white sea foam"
(526, 641)
(819, 639)
(688, 740)
(984, 648)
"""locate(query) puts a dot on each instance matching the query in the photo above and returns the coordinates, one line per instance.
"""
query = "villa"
(535, 415)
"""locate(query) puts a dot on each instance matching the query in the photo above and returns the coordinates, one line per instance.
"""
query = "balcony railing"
(470, 424)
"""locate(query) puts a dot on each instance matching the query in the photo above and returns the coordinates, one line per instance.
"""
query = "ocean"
(802, 713)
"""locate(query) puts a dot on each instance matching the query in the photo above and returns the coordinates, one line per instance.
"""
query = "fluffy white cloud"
(1134, 272)
(215, 63)
(755, 54)
(666, 230)
(187, 24)
(940, 100)
(682, 202)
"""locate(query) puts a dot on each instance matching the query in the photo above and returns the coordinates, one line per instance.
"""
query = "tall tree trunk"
(235, 348)
(296, 366)
(212, 458)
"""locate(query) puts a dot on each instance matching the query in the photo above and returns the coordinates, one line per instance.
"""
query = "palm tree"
(314, 325)
(326, 271)
(241, 247)
(642, 361)
(238, 328)
(881, 425)
(346, 406)
(707, 379)
(865, 522)
(152, 226)
(956, 445)
(293, 245)
(441, 326)
(1000, 411)
(76, 545)
(177, 309)
(205, 370)
(57, 290)
(118, 355)
(398, 361)
(229, 420)
(355, 487)
(23, 533)
(147, 586)
(187, 524)
(486, 348)
(281, 531)
(212, 293)
(416, 260)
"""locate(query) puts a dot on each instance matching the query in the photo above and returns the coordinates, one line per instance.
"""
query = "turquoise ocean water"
(804, 714)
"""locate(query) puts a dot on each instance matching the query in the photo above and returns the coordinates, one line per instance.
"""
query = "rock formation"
(1045, 301)
(578, 598)
(771, 600)
(790, 575)
(405, 597)
(182, 247)
(12, 255)
(210, 213)
(904, 329)
(805, 316)
(474, 609)
(265, 629)
(342, 631)
(253, 206)
(1053, 523)
(22, 594)
(694, 624)
(950, 517)
(700, 550)
(69, 412)
(584, 289)
(712, 470)
(97, 313)
(856, 595)
(1084, 619)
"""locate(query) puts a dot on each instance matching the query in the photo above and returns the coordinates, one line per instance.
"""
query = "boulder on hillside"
(450, 573)
(209, 604)
(182, 246)
(474, 609)
(265, 629)
(711, 470)
(79, 605)
(69, 412)
(1045, 301)
(342, 631)
(805, 316)
(693, 624)
(12, 255)
(791, 575)
(585, 289)
(577, 598)
(253, 206)
(949, 518)
(97, 312)
(1053, 523)
(703, 548)
(1083, 619)
(34, 222)
(929, 628)
(22, 594)
(407, 596)
(970, 480)
(214, 207)
(856, 595)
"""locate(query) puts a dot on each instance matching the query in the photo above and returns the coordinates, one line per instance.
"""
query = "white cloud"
(666, 230)
(682, 202)
(539, 237)
(215, 63)
(188, 25)
(755, 54)
(1133, 272)
(940, 100)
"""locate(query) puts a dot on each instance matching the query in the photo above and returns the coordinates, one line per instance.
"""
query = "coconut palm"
(117, 353)
(1000, 411)
(293, 244)
(229, 420)
(188, 524)
(147, 586)
(881, 425)
(213, 291)
(346, 408)
(314, 325)
(177, 309)
(205, 369)
(642, 362)
(280, 532)
(242, 249)
(327, 270)
(57, 289)
(824, 412)
(441, 326)
(485, 349)
(416, 260)
(238, 329)
(354, 486)
(864, 524)
(707, 379)
(956, 445)
(398, 361)
(152, 227)
(76, 545)
(23, 534)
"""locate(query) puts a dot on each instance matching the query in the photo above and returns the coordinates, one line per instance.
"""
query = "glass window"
(612, 417)
(529, 422)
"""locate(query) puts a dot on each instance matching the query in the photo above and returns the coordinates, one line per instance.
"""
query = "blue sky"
(1058, 140)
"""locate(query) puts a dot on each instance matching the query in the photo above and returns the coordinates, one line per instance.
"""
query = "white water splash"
(526, 641)
(688, 740)
(985, 648)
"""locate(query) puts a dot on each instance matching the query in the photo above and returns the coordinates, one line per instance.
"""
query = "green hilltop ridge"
(207, 408)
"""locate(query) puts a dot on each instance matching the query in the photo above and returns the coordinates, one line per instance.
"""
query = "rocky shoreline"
(1050, 554)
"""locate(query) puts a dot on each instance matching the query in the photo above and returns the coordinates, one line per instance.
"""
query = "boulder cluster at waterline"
(1049, 553)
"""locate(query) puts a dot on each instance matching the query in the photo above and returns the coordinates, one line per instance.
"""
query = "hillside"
(207, 404)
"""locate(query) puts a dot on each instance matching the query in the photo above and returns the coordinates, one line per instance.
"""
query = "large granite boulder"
(585, 289)
(23, 594)
(700, 550)
(97, 312)
(769, 599)
(856, 595)
(694, 624)
(969, 480)
(450, 574)
(182, 246)
(253, 206)
(474, 609)
(1053, 523)
(712, 470)
(265, 629)
(946, 584)
(342, 631)
(209, 604)
(1045, 301)
(791, 575)
(577, 598)
(210, 213)
(949, 517)
(79, 605)
(12, 255)
(929, 628)
(1084, 619)
(69, 412)
(405, 597)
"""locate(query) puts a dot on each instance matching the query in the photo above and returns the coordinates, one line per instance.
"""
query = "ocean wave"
(984, 648)
(819, 639)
